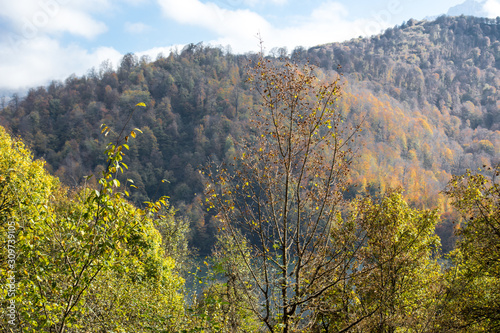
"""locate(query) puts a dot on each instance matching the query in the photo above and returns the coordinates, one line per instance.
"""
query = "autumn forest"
(349, 187)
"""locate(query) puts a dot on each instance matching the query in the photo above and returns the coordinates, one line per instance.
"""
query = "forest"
(350, 187)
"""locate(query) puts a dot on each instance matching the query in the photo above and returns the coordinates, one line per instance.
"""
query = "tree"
(25, 190)
(82, 258)
(221, 307)
(399, 277)
(475, 280)
(283, 197)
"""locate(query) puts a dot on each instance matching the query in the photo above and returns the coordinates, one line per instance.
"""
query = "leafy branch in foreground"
(87, 259)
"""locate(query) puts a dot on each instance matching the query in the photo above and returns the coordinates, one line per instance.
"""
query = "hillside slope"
(426, 93)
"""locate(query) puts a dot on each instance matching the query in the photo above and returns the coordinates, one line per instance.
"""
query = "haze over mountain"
(477, 8)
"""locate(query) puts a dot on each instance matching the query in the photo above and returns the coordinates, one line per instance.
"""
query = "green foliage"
(223, 304)
(86, 259)
(394, 281)
(400, 277)
(474, 281)
(174, 233)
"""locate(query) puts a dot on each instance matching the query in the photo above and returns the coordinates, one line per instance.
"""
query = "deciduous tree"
(474, 290)
(283, 197)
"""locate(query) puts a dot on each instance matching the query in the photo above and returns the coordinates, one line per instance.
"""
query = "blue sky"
(43, 40)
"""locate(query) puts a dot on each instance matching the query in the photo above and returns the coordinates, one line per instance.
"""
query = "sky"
(45, 40)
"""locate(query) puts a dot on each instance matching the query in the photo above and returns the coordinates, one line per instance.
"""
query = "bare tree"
(283, 196)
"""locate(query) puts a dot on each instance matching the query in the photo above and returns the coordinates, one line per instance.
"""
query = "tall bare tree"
(282, 197)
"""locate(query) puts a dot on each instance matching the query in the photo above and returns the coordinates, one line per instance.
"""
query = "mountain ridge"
(469, 8)
(428, 92)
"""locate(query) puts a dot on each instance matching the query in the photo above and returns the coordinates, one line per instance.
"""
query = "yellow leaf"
(141, 104)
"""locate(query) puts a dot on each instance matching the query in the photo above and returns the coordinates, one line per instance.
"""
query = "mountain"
(477, 8)
(469, 8)
(426, 93)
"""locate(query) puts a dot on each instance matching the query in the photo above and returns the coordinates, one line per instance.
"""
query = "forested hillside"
(314, 193)
(425, 92)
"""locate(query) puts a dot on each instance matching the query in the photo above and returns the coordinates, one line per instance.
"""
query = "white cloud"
(235, 27)
(213, 17)
(76, 23)
(328, 11)
(258, 2)
(31, 55)
(35, 18)
(492, 8)
(136, 28)
(238, 28)
(28, 63)
(165, 51)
